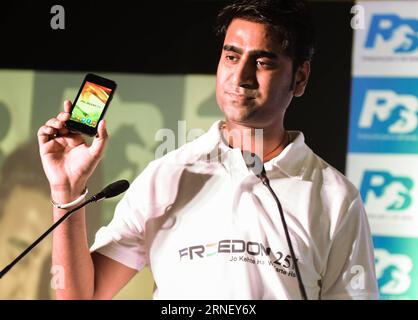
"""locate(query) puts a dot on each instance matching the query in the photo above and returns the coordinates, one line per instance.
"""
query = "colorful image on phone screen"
(90, 104)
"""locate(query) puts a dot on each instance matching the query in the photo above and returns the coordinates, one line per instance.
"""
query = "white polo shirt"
(209, 229)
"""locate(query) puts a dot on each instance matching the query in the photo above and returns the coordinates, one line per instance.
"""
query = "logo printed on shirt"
(392, 33)
(381, 189)
(247, 251)
(225, 246)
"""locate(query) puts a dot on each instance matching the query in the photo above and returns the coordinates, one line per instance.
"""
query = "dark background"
(177, 38)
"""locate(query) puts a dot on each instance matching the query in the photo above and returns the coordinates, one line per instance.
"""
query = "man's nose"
(245, 75)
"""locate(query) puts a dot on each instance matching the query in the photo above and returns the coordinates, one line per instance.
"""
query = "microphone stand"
(254, 163)
(110, 191)
(35, 243)
(266, 182)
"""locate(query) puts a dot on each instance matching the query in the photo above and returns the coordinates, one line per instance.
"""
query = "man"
(198, 217)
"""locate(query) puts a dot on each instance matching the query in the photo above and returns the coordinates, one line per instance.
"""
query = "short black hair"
(290, 19)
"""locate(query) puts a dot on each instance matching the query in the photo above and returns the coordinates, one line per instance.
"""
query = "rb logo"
(382, 191)
(396, 112)
(392, 272)
(389, 31)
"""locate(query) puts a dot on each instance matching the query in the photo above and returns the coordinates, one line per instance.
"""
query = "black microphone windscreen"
(253, 163)
(115, 188)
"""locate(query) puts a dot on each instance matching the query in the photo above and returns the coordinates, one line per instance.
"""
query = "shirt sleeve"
(350, 270)
(123, 238)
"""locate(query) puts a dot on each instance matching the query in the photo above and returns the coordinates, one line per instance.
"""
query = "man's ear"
(301, 79)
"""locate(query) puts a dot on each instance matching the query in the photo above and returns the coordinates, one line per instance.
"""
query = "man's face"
(254, 77)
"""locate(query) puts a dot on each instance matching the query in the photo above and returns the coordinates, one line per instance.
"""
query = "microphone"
(254, 163)
(112, 190)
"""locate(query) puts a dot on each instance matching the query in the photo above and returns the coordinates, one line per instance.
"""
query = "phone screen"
(90, 104)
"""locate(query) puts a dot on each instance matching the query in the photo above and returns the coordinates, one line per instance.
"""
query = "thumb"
(99, 141)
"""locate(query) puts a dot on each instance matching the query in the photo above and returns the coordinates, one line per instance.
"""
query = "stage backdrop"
(382, 156)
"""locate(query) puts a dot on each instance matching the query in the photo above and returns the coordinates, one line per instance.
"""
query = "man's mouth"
(239, 96)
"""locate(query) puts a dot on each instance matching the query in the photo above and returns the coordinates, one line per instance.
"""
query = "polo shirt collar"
(292, 161)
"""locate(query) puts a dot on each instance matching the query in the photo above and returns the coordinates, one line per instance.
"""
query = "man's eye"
(263, 64)
(231, 58)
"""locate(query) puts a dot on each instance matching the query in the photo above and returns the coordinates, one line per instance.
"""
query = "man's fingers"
(67, 106)
(44, 134)
(64, 131)
(55, 123)
(63, 116)
(101, 130)
(55, 126)
(99, 142)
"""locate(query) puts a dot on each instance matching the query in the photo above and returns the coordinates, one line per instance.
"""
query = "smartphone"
(90, 105)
